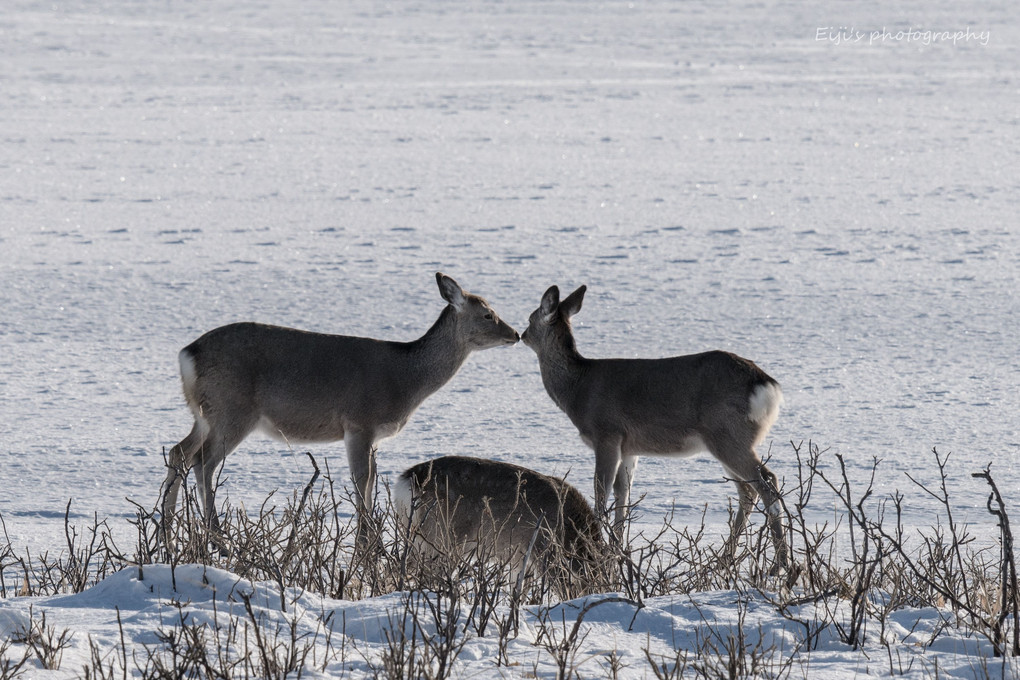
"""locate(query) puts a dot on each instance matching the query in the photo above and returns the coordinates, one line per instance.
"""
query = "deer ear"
(450, 291)
(550, 301)
(571, 305)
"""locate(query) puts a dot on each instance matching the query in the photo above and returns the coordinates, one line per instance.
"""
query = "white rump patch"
(401, 496)
(763, 406)
(189, 378)
(188, 373)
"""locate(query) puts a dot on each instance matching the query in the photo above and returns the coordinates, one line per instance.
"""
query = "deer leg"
(180, 460)
(607, 462)
(768, 487)
(204, 470)
(734, 448)
(219, 443)
(746, 495)
(361, 463)
(621, 488)
(752, 480)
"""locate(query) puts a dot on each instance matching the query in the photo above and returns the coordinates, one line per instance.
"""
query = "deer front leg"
(361, 464)
(621, 488)
(607, 463)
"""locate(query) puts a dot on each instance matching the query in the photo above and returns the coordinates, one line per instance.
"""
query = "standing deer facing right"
(313, 387)
(676, 406)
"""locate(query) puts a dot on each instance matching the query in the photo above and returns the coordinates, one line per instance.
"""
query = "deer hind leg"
(746, 495)
(224, 436)
(757, 480)
(768, 487)
(181, 460)
(735, 450)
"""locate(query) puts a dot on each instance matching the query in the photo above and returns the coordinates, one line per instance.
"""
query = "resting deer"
(677, 406)
(312, 387)
(456, 505)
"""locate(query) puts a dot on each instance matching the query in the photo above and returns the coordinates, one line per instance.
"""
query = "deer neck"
(562, 369)
(439, 354)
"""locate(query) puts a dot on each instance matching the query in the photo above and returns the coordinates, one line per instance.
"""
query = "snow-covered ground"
(831, 192)
(348, 639)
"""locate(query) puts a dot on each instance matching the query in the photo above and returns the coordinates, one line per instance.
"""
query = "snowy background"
(769, 178)
(843, 214)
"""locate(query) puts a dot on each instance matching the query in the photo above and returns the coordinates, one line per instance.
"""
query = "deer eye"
(488, 315)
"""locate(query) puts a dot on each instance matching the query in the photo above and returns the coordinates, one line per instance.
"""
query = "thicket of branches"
(851, 576)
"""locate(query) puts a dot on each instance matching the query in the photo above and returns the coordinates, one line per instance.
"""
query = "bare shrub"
(46, 642)
(12, 667)
(856, 572)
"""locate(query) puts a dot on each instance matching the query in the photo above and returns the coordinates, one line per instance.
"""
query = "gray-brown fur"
(678, 406)
(312, 387)
(459, 504)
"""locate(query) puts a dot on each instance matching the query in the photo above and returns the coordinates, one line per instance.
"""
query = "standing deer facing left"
(675, 406)
(311, 387)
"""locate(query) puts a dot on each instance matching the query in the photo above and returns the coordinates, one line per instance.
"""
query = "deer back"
(474, 500)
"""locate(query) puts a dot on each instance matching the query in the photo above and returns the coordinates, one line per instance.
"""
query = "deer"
(677, 406)
(301, 386)
(462, 507)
